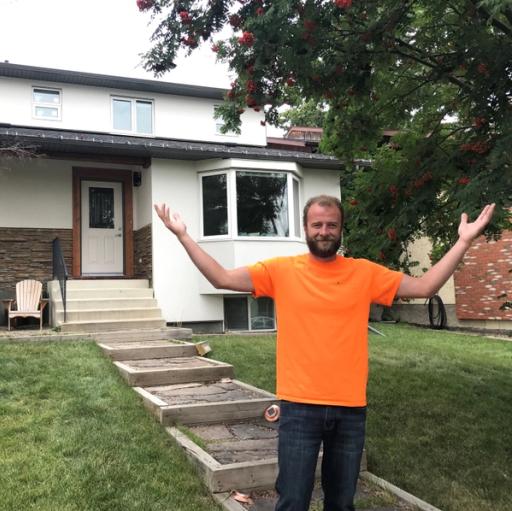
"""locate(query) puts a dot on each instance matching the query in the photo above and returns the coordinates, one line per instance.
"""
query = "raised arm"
(238, 279)
(428, 284)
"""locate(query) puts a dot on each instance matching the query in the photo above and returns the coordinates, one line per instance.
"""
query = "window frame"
(133, 111)
(232, 234)
(42, 104)
(201, 211)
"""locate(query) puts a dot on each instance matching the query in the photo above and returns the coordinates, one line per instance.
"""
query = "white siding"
(89, 109)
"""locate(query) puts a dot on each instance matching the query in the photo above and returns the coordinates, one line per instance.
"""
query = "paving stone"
(195, 393)
(168, 363)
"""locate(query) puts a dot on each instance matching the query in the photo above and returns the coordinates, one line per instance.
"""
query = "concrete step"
(101, 326)
(140, 350)
(104, 293)
(76, 304)
(167, 371)
(107, 284)
(127, 337)
(109, 314)
(200, 402)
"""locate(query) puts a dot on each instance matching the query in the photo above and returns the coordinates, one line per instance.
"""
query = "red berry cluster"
(478, 147)
(247, 39)
(235, 20)
(144, 5)
(185, 17)
(480, 122)
(260, 11)
(464, 180)
(392, 234)
(353, 202)
(189, 41)
(251, 86)
(343, 4)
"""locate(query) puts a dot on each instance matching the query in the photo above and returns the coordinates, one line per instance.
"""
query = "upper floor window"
(250, 204)
(219, 123)
(132, 115)
(46, 103)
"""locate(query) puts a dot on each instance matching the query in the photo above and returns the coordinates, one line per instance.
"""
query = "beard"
(324, 247)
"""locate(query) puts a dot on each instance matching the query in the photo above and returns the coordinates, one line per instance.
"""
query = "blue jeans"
(302, 429)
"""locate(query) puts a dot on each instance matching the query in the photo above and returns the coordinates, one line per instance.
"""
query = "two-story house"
(106, 149)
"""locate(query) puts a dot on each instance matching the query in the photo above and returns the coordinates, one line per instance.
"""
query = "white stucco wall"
(142, 204)
(35, 194)
(182, 293)
(88, 108)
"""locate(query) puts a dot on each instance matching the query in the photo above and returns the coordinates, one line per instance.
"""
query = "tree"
(304, 113)
(440, 71)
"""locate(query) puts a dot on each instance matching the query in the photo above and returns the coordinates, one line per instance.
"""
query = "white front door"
(102, 228)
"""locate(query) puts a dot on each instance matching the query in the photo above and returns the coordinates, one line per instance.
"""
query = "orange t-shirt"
(322, 324)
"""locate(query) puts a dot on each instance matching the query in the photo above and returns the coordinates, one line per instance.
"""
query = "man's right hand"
(173, 221)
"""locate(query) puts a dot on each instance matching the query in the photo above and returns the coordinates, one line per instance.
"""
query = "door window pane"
(262, 204)
(215, 205)
(101, 208)
(235, 313)
(144, 117)
(122, 112)
(262, 313)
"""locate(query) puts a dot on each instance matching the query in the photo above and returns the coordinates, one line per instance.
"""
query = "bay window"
(250, 204)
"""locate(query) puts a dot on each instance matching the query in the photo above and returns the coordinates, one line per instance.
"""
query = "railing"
(60, 271)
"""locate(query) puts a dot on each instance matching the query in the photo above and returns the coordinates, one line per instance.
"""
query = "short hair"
(325, 201)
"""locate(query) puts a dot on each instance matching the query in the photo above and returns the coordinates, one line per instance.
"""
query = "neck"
(328, 259)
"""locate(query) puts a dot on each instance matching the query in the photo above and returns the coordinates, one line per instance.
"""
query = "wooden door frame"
(100, 174)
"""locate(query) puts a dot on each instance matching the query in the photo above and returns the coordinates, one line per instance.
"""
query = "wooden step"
(164, 371)
(193, 403)
(140, 350)
(240, 454)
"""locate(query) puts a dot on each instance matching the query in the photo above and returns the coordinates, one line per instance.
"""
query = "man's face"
(323, 231)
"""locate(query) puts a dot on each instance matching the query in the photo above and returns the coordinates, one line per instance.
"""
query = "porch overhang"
(65, 143)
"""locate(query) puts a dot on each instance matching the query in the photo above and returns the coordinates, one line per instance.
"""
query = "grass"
(73, 436)
(440, 411)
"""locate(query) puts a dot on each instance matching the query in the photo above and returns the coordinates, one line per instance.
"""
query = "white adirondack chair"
(28, 303)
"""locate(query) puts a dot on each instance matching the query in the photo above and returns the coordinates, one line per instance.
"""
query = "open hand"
(173, 221)
(469, 231)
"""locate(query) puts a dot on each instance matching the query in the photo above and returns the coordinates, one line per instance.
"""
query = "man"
(322, 302)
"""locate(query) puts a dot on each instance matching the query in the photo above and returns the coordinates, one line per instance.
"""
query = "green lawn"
(440, 411)
(74, 436)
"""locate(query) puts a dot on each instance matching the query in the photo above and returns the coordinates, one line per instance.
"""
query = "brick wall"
(142, 247)
(27, 254)
(483, 277)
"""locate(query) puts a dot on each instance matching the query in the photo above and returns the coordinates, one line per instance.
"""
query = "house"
(107, 148)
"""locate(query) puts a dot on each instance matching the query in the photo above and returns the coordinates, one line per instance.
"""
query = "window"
(248, 313)
(132, 115)
(46, 103)
(219, 123)
(262, 204)
(250, 204)
(215, 205)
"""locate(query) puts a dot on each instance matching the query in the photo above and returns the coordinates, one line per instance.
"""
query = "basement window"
(46, 104)
(248, 313)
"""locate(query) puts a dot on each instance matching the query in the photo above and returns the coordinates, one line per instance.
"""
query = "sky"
(97, 36)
